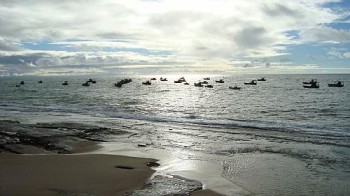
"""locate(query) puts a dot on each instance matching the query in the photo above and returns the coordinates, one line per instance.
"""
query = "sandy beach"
(32, 164)
(72, 174)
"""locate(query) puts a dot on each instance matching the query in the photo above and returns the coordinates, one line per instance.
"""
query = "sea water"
(275, 137)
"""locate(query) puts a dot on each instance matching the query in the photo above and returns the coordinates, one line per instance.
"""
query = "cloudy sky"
(50, 37)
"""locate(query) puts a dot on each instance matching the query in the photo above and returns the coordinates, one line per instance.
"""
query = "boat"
(198, 84)
(253, 82)
(40, 82)
(220, 81)
(153, 78)
(86, 84)
(65, 83)
(121, 82)
(313, 85)
(180, 80)
(262, 79)
(204, 82)
(163, 79)
(147, 83)
(234, 87)
(22, 83)
(336, 84)
(209, 86)
(311, 81)
(206, 78)
(92, 81)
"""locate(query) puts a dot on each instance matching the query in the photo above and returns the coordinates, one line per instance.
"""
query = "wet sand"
(72, 174)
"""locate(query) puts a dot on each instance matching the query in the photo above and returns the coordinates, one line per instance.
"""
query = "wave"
(187, 118)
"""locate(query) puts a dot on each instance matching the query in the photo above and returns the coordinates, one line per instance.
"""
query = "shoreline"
(34, 164)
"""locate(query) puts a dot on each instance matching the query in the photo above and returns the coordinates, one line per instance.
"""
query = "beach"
(43, 166)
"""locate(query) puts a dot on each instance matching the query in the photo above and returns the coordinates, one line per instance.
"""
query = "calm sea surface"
(279, 103)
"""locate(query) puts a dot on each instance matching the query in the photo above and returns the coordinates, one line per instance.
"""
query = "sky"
(77, 37)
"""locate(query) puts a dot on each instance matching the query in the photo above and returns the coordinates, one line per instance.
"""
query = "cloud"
(138, 32)
(325, 34)
(338, 52)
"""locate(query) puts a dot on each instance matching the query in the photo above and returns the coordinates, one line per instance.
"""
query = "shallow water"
(276, 138)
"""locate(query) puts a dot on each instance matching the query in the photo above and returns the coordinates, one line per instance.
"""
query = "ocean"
(273, 138)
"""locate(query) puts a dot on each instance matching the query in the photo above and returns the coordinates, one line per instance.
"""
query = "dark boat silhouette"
(163, 79)
(220, 81)
(262, 79)
(147, 83)
(21, 83)
(209, 86)
(65, 83)
(313, 85)
(180, 80)
(40, 82)
(92, 81)
(206, 78)
(198, 84)
(86, 83)
(253, 82)
(123, 81)
(153, 78)
(336, 84)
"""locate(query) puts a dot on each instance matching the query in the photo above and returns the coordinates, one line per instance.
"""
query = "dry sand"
(71, 174)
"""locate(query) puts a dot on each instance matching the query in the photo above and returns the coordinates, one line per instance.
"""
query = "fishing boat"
(262, 79)
(253, 82)
(313, 85)
(220, 81)
(336, 84)
(65, 83)
(198, 84)
(146, 83)
(86, 84)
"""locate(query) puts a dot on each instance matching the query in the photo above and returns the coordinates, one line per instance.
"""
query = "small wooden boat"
(198, 84)
(253, 82)
(313, 85)
(336, 84)
(209, 86)
(220, 81)
(147, 83)
(153, 78)
(92, 81)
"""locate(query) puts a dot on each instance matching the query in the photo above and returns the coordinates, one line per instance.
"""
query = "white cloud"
(196, 32)
(347, 55)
